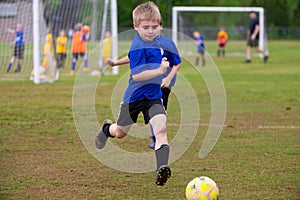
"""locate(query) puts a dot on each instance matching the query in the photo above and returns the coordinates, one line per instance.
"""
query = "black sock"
(162, 155)
(106, 130)
(223, 53)
(218, 53)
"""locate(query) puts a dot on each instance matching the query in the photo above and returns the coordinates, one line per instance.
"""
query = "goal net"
(42, 25)
(209, 20)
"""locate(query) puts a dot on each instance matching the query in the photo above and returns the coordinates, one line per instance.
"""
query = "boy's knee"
(120, 134)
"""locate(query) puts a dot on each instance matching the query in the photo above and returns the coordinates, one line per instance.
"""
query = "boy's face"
(148, 30)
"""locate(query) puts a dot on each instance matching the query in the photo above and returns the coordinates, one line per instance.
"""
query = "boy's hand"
(109, 62)
(164, 65)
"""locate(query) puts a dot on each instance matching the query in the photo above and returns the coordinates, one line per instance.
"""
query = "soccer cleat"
(101, 137)
(152, 144)
(266, 59)
(162, 175)
(72, 72)
(247, 61)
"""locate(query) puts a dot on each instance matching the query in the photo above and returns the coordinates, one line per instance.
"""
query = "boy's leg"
(18, 66)
(197, 59)
(85, 60)
(113, 130)
(165, 97)
(158, 122)
(74, 59)
(10, 64)
(265, 57)
(203, 58)
(110, 130)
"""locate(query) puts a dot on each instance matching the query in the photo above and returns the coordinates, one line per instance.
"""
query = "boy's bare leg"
(158, 122)
(110, 130)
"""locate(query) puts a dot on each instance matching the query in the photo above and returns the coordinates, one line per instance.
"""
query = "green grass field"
(256, 157)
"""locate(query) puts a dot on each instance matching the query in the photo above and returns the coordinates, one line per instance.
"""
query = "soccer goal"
(186, 19)
(37, 18)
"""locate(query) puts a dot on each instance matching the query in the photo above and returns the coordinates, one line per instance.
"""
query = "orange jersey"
(222, 37)
(78, 43)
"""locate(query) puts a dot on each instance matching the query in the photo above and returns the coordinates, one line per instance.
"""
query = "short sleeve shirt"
(252, 24)
(143, 56)
(19, 40)
(171, 53)
(201, 47)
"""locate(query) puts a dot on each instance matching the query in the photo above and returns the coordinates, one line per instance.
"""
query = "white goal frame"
(177, 9)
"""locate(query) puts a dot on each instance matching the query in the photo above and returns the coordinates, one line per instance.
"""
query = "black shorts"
(75, 55)
(61, 56)
(165, 96)
(252, 43)
(201, 51)
(129, 112)
(19, 51)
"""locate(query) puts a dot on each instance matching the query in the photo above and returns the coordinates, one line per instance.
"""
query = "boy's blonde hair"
(146, 11)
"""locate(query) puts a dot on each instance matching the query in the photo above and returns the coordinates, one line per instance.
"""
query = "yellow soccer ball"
(202, 188)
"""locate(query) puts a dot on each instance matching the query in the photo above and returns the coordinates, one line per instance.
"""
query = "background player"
(61, 49)
(79, 47)
(222, 41)
(19, 48)
(253, 36)
(199, 39)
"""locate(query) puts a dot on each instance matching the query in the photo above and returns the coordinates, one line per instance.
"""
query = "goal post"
(103, 18)
(259, 10)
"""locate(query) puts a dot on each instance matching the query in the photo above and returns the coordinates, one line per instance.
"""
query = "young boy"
(19, 47)
(61, 49)
(222, 41)
(143, 93)
(79, 47)
(48, 50)
(199, 39)
(169, 78)
(107, 45)
(253, 36)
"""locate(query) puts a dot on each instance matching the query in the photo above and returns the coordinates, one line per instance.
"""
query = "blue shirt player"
(170, 52)
(199, 39)
(143, 93)
(19, 47)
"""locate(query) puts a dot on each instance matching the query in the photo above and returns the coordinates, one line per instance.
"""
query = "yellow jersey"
(107, 43)
(48, 44)
(61, 43)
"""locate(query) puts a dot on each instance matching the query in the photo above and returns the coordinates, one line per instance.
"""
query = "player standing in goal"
(19, 48)
(222, 41)
(253, 36)
(199, 39)
(79, 47)
(143, 93)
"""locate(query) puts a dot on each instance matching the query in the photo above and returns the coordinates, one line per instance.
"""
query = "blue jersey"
(19, 40)
(171, 53)
(201, 47)
(143, 56)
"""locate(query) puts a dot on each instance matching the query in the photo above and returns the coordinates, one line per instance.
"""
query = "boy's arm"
(122, 61)
(149, 74)
(12, 31)
(253, 36)
(167, 80)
